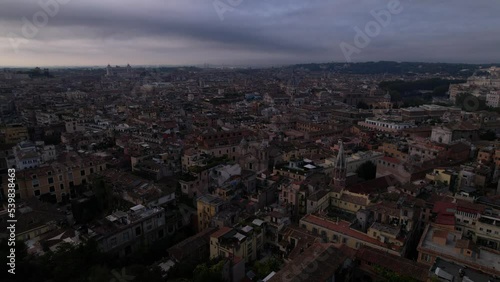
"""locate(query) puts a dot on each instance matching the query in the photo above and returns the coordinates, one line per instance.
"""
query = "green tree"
(367, 170)
(209, 272)
(143, 273)
(103, 193)
(99, 273)
(362, 105)
(262, 269)
(488, 135)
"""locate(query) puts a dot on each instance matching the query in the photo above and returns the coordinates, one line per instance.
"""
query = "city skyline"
(245, 33)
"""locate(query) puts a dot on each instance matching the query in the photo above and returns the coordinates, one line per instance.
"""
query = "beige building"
(245, 242)
(341, 232)
(487, 232)
(14, 133)
(57, 178)
(450, 245)
(393, 150)
(207, 207)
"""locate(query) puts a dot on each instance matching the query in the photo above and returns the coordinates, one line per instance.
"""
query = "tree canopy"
(367, 170)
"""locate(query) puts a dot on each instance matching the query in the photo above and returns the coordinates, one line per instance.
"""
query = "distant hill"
(408, 68)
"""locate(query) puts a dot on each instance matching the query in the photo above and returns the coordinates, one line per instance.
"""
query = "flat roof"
(487, 259)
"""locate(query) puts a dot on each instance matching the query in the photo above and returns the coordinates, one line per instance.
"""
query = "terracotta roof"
(374, 185)
(397, 264)
(220, 232)
(358, 200)
(317, 263)
(341, 227)
(391, 160)
(440, 234)
(192, 244)
(445, 219)
(464, 244)
(469, 207)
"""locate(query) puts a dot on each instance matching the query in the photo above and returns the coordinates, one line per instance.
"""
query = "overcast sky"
(253, 32)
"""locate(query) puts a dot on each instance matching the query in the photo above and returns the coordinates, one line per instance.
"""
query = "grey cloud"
(255, 32)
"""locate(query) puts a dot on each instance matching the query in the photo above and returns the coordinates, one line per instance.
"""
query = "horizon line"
(204, 65)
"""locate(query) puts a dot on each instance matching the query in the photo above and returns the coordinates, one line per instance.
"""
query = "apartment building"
(437, 242)
(487, 231)
(57, 179)
(207, 207)
(245, 242)
(341, 231)
(13, 134)
(395, 150)
(493, 99)
(123, 232)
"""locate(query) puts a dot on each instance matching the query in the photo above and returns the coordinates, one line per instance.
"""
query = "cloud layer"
(248, 32)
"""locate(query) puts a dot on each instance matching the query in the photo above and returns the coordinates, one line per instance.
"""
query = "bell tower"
(340, 168)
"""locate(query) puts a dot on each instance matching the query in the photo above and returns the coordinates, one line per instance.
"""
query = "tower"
(340, 168)
(108, 70)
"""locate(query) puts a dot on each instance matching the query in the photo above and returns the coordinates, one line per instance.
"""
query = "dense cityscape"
(321, 172)
(249, 141)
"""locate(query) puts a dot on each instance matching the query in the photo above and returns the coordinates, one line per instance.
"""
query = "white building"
(356, 160)
(43, 118)
(30, 155)
(493, 99)
(385, 125)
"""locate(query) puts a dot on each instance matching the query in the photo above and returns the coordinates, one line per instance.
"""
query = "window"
(51, 180)
(426, 257)
(113, 241)
(52, 189)
(61, 186)
(138, 231)
(37, 192)
(82, 172)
